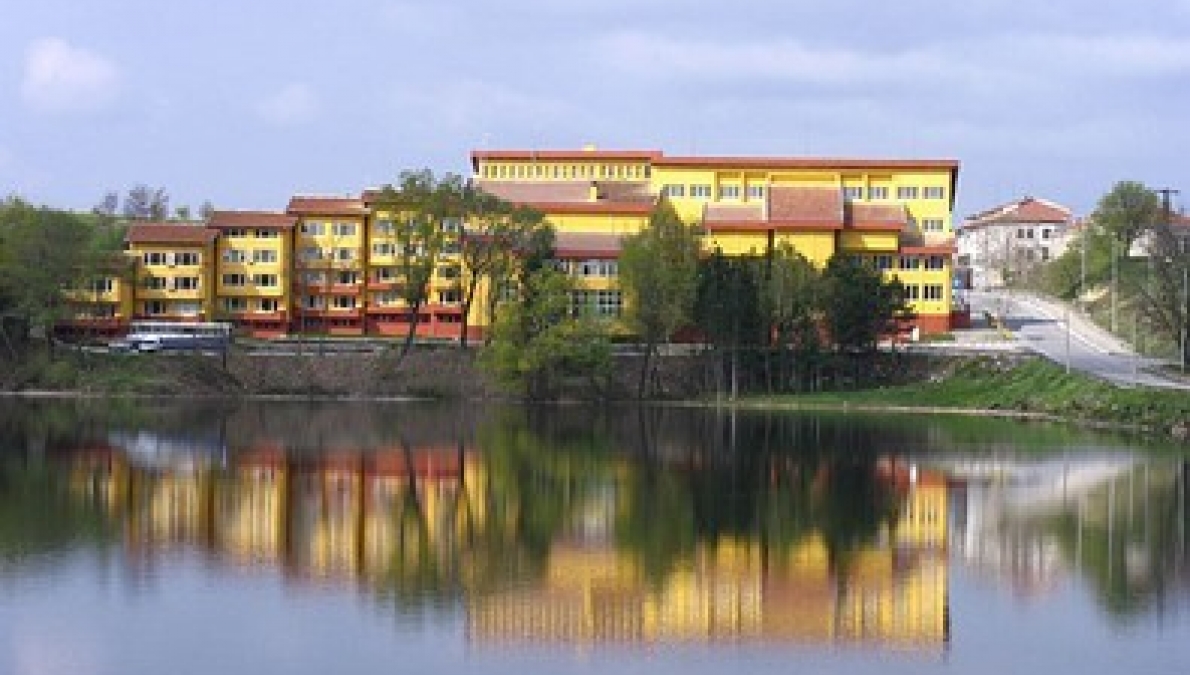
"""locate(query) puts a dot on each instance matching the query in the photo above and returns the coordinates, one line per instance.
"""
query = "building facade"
(1012, 240)
(336, 265)
(175, 268)
(897, 213)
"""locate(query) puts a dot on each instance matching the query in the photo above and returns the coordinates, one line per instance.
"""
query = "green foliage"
(1127, 210)
(658, 274)
(44, 254)
(859, 305)
(538, 346)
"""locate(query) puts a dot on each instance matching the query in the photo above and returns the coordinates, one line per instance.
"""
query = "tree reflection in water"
(632, 523)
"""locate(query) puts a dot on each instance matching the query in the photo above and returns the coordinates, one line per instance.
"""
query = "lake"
(306, 537)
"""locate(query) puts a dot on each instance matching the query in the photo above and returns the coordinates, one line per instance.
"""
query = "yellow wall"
(171, 270)
(249, 243)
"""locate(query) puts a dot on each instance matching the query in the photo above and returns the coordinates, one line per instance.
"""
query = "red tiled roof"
(806, 163)
(1030, 210)
(257, 219)
(1024, 210)
(586, 245)
(574, 196)
(305, 205)
(806, 207)
(169, 233)
(878, 217)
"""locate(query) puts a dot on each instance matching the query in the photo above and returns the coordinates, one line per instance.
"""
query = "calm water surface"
(315, 538)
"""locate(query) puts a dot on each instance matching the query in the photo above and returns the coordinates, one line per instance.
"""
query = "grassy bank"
(124, 374)
(1030, 387)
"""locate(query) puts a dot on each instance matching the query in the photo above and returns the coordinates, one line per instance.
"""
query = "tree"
(427, 210)
(659, 274)
(859, 305)
(495, 234)
(727, 309)
(538, 344)
(789, 302)
(145, 203)
(1165, 295)
(44, 254)
(1127, 211)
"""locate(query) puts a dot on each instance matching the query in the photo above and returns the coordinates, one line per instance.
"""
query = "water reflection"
(622, 526)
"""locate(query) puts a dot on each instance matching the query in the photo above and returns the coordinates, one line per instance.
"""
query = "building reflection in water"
(530, 559)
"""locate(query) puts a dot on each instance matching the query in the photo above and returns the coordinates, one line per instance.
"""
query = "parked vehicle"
(155, 336)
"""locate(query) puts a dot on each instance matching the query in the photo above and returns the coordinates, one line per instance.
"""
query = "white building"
(1010, 240)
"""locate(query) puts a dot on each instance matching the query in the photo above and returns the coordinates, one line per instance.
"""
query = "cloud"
(293, 105)
(62, 78)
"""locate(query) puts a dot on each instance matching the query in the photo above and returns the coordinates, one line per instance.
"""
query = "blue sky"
(246, 102)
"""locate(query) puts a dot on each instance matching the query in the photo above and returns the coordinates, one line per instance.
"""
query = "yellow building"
(101, 304)
(897, 213)
(330, 264)
(255, 256)
(175, 268)
(386, 310)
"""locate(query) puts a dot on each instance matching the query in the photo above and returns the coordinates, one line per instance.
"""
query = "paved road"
(1063, 335)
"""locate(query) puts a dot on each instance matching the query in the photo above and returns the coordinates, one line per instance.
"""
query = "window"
(235, 279)
(934, 192)
(1045, 233)
(755, 192)
(1045, 253)
(931, 224)
(384, 227)
(877, 192)
(932, 291)
(343, 302)
(267, 234)
(235, 232)
(235, 304)
(154, 283)
(155, 307)
(314, 278)
(936, 262)
(597, 303)
(189, 258)
(311, 254)
(910, 262)
(451, 247)
(269, 305)
(452, 225)
(907, 192)
(450, 297)
(448, 272)
(1020, 233)
(387, 298)
(313, 228)
(912, 292)
(235, 255)
(347, 278)
(850, 193)
(186, 283)
(883, 262)
(674, 190)
(382, 248)
(314, 302)
(729, 192)
(700, 191)
(264, 280)
(154, 258)
(384, 274)
(104, 285)
(344, 254)
(343, 229)
(264, 255)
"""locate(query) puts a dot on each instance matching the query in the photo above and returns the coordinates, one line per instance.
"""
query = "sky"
(246, 102)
